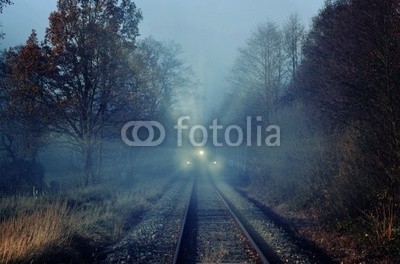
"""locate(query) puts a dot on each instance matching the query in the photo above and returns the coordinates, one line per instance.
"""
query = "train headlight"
(201, 152)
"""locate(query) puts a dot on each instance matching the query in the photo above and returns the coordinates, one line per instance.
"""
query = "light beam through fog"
(211, 32)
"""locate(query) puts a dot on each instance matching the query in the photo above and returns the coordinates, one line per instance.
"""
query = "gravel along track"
(211, 234)
(154, 239)
(268, 233)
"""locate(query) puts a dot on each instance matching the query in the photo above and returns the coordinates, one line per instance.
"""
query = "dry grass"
(27, 234)
(11, 206)
(32, 226)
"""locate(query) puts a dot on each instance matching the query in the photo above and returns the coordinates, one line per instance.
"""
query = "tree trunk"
(87, 163)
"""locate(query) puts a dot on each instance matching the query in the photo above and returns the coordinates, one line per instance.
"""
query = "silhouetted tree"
(258, 71)
(163, 77)
(89, 45)
(294, 34)
(23, 124)
(350, 79)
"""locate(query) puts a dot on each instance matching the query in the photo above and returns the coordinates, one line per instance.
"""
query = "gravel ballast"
(272, 235)
(154, 239)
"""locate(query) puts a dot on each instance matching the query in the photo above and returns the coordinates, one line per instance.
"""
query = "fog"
(210, 32)
(149, 131)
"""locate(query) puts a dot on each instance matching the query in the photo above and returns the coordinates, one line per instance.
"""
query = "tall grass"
(27, 234)
(33, 226)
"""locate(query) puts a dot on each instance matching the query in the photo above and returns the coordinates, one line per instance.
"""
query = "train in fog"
(199, 156)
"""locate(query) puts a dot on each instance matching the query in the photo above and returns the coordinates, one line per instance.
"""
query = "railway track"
(211, 232)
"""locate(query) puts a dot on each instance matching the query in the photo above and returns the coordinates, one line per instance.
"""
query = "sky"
(209, 31)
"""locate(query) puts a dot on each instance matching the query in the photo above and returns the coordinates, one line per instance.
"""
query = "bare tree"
(163, 76)
(294, 33)
(258, 71)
